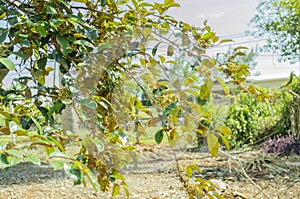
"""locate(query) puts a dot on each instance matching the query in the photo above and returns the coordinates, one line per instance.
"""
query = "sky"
(230, 19)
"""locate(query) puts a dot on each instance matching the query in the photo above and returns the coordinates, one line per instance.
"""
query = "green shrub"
(250, 119)
(287, 101)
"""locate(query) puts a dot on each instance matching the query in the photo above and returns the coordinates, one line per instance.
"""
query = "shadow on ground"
(27, 172)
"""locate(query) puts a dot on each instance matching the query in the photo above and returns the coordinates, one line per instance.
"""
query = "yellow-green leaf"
(173, 138)
(136, 5)
(240, 54)
(189, 139)
(3, 15)
(213, 144)
(162, 58)
(172, 62)
(116, 190)
(208, 35)
(222, 83)
(7, 63)
(189, 170)
(225, 141)
(225, 130)
(240, 48)
(226, 40)
(82, 1)
(188, 81)
(170, 51)
(204, 92)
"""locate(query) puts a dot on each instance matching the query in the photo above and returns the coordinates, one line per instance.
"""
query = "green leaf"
(92, 178)
(225, 130)
(42, 31)
(14, 97)
(60, 155)
(7, 63)
(115, 190)
(3, 145)
(13, 127)
(3, 159)
(55, 142)
(104, 46)
(74, 173)
(50, 9)
(13, 161)
(64, 44)
(19, 54)
(222, 83)
(58, 165)
(154, 50)
(103, 3)
(84, 43)
(42, 62)
(159, 135)
(41, 141)
(10, 116)
(3, 34)
(213, 144)
(39, 127)
(75, 20)
(89, 103)
(172, 109)
(33, 159)
(14, 152)
(99, 144)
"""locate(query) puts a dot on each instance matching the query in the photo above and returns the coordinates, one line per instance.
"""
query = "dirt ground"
(245, 174)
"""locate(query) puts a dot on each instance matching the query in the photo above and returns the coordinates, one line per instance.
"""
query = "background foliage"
(279, 21)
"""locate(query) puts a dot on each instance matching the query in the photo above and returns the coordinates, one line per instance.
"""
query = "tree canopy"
(107, 51)
(279, 21)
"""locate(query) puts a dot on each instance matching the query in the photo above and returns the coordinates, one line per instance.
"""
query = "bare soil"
(246, 174)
